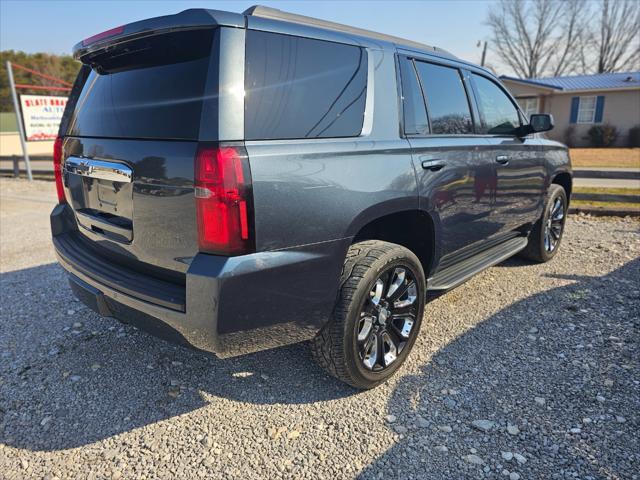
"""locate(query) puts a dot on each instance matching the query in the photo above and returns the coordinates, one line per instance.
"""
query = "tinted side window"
(302, 88)
(447, 102)
(499, 114)
(415, 114)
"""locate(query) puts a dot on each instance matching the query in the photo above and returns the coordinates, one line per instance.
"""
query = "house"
(581, 101)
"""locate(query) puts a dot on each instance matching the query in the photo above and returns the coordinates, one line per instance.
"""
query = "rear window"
(148, 88)
(303, 88)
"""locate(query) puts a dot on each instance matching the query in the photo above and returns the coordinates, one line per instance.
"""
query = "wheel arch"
(565, 181)
(413, 229)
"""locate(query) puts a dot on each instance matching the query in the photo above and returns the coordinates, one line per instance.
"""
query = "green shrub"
(604, 135)
(569, 136)
(634, 136)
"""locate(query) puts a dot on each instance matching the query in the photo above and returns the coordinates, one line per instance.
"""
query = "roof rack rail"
(275, 14)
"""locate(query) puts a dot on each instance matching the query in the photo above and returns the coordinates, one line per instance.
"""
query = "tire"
(339, 347)
(537, 249)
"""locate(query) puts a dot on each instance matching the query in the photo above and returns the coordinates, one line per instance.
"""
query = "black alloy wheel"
(387, 318)
(546, 235)
(377, 315)
(555, 224)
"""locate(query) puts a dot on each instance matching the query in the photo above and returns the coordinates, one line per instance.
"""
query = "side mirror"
(541, 122)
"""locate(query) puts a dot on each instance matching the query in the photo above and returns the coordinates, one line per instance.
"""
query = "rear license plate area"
(102, 205)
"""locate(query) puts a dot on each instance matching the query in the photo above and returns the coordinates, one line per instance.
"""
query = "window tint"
(498, 113)
(447, 102)
(140, 89)
(415, 114)
(302, 88)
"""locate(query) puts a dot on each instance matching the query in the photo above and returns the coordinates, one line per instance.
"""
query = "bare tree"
(537, 38)
(617, 40)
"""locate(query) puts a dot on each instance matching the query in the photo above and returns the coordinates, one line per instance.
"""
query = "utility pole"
(484, 54)
(16, 107)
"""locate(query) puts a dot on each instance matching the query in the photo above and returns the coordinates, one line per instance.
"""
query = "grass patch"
(610, 191)
(605, 157)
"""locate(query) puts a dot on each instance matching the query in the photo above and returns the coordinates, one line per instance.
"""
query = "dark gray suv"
(238, 182)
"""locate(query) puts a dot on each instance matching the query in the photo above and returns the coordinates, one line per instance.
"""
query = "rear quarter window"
(303, 88)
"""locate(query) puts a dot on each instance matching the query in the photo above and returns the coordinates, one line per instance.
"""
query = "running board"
(461, 272)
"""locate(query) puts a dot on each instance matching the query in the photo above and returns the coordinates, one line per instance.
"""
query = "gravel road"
(524, 372)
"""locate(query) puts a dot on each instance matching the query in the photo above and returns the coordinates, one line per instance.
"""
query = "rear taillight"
(57, 169)
(223, 199)
(102, 35)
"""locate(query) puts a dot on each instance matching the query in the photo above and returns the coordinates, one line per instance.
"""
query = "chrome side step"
(458, 273)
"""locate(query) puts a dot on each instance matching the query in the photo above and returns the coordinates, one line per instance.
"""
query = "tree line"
(63, 67)
(537, 38)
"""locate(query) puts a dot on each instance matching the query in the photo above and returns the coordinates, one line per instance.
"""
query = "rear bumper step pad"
(144, 287)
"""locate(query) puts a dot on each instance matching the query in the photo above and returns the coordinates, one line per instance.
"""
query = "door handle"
(503, 159)
(433, 165)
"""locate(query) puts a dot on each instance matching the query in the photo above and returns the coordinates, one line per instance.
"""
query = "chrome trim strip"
(101, 169)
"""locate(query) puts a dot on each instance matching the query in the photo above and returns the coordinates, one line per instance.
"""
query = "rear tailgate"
(130, 138)
(150, 219)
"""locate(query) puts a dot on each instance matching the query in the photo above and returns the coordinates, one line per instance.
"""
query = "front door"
(518, 162)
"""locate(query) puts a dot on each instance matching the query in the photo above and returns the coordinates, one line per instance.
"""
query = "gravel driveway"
(526, 371)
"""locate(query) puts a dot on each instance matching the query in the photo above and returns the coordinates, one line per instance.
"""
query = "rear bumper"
(228, 305)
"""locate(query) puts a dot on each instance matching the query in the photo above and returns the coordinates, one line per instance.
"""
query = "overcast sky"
(55, 26)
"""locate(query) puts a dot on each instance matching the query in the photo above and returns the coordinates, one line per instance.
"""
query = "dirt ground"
(527, 371)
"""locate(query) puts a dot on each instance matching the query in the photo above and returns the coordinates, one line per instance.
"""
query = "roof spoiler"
(186, 20)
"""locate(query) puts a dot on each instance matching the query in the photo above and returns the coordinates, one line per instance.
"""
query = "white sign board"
(41, 116)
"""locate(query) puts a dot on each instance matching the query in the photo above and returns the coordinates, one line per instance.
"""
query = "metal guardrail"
(40, 164)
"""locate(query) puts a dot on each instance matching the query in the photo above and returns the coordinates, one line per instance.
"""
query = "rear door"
(518, 162)
(455, 179)
(129, 146)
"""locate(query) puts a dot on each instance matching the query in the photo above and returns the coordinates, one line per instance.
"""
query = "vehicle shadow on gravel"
(575, 348)
(69, 377)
